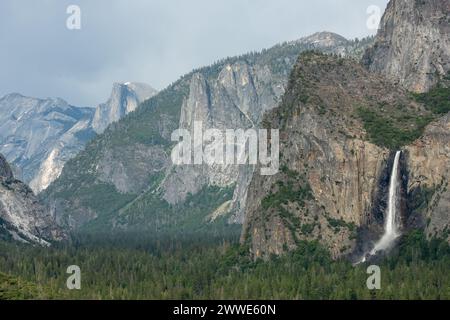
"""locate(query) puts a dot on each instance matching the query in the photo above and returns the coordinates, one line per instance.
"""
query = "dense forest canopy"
(141, 266)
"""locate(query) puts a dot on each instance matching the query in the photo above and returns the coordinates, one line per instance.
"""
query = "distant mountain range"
(38, 136)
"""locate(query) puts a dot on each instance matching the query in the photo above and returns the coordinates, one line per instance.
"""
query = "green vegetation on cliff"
(390, 132)
(394, 130)
(153, 214)
(437, 100)
(295, 188)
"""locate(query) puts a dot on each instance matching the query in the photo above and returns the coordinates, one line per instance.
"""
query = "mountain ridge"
(30, 127)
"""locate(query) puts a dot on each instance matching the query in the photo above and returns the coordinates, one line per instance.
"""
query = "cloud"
(153, 41)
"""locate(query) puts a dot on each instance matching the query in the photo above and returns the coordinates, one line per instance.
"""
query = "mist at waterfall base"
(391, 230)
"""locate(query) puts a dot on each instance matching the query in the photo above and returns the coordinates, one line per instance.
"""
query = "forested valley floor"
(215, 267)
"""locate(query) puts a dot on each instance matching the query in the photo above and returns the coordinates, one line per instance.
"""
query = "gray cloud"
(153, 41)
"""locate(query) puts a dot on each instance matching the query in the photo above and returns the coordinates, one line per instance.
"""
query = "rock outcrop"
(412, 46)
(5, 170)
(22, 217)
(336, 165)
(330, 171)
(429, 175)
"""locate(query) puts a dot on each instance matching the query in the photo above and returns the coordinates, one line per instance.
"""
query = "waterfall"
(391, 231)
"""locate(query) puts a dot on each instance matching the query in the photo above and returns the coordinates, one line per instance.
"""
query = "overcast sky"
(152, 41)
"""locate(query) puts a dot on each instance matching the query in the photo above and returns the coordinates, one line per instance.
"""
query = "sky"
(151, 41)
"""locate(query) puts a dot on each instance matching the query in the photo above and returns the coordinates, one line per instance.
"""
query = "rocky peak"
(5, 170)
(124, 98)
(324, 40)
(142, 90)
(412, 46)
(24, 108)
(12, 96)
(330, 42)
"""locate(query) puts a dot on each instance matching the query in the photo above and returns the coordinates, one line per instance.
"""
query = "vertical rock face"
(237, 99)
(329, 171)
(37, 135)
(124, 99)
(429, 176)
(412, 46)
(22, 217)
(63, 149)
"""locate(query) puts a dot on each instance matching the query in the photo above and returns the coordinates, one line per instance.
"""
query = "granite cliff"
(340, 127)
(22, 217)
(412, 46)
(331, 162)
(36, 135)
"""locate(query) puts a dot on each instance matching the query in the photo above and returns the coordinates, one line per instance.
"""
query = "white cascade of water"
(391, 230)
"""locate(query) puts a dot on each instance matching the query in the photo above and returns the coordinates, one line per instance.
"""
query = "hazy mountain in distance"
(125, 98)
(38, 136)
(31, 129)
